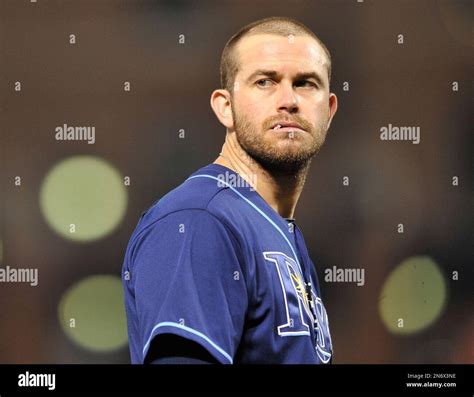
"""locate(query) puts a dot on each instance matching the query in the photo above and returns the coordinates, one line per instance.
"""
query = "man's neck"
(280, 190)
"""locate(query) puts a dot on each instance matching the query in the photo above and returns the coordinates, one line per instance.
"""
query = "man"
(217, 271)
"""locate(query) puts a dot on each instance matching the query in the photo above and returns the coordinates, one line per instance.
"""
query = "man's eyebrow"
(262, 72)
(275, 74)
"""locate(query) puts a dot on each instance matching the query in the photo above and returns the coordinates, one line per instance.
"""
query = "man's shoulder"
(202, 191)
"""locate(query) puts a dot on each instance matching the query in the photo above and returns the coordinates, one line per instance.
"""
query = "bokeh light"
(86, 192)
(92, 313)
(413, 296)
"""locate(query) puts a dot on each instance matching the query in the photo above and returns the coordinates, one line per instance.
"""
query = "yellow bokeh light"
(413, 296)
(92, 313)
(83, 198)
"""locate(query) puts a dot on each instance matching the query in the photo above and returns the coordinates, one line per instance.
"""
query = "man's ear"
(221, 104)
(332, 107)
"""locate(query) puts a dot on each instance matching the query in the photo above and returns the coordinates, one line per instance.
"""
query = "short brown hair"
(280, 26)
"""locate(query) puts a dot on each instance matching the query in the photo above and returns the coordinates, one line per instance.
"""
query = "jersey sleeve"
(188, 281)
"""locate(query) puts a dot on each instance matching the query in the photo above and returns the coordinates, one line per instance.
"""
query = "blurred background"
(141, 72)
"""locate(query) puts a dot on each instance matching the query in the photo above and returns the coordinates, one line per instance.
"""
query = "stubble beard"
(292, 159)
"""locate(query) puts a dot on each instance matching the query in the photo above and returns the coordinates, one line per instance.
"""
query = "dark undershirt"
(173, 349)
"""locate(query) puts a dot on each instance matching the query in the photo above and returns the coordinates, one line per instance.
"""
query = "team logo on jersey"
(302, 291)
(302, 306)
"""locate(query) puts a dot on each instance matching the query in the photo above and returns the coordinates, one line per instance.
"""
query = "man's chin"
(281, 154)
(287, 162)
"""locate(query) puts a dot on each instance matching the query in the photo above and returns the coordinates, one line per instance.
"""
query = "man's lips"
(283, 126)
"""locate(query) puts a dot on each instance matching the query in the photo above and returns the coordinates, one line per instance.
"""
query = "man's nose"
(287, 98)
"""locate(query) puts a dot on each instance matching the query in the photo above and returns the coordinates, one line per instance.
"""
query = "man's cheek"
(252, 109)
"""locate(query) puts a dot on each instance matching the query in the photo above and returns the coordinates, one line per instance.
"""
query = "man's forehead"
(261, 49)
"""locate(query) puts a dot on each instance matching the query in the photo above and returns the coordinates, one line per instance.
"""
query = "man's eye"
(263, 82)
(305, 83)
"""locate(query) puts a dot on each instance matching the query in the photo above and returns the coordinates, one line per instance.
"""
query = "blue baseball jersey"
(212, 262)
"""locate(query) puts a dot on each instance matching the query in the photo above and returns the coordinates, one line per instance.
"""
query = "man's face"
(281, 80)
